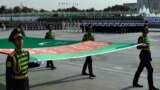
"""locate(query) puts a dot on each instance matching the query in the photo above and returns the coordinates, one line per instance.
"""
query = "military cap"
(48, 26)
(14, 34)
(145, 25)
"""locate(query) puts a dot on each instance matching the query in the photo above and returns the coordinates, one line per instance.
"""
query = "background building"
(131, 6)
(141, 3)
(153, 5)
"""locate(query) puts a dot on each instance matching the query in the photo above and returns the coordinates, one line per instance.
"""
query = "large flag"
(45, 49)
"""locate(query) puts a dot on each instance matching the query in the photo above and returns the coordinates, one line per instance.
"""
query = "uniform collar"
(18, 50)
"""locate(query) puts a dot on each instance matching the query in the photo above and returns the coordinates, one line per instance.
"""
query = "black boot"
(84, 73)
(92, 75)
(154, 88)
(137, 85)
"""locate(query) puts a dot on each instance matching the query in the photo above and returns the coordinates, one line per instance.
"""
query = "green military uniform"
(88, 61)
(145, 58)
(88, 37)
(16, 70)
(145, 53)
(50, 35)
(17, 65)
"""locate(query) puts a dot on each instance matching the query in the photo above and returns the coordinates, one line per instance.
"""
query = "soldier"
(87, 37)
(50, 35)
(145, 60)
(17, 64)
(4, 27)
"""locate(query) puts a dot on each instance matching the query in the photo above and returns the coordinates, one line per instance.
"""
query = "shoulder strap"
(12, 54)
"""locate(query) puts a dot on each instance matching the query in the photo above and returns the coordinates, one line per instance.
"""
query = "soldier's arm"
(23, 33)
(9, 72)
(28, 54)
(93, 38)
(46, 36)
(140, 41)
(54, 36)
(32, 64)
(84, 37)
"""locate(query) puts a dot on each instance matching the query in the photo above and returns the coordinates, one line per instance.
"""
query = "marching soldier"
(145, 60)
(88, 37)
(17, 64)
(50, 35)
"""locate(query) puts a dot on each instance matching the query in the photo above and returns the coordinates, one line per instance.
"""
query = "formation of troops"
(114, 26)
(110, 25)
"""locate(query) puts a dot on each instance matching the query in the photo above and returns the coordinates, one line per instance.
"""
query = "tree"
(117, 8)
(9, 10)
(42, 10)
(90, 10)
(17, 9)
(2, 9)
(72, 9)
(26, 10)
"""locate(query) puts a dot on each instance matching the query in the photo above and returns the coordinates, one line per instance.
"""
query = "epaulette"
(12, 54)
(25, 50)
(18, 30)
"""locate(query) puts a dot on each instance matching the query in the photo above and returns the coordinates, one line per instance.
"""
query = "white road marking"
(118, 68)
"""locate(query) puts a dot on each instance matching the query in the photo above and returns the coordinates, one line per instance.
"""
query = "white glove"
(143, 44)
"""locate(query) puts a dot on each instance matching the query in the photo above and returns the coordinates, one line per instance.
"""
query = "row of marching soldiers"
(98, 27)
(41, 25)
(115, 27)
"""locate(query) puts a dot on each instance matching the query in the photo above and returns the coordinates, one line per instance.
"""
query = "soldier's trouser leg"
(138, 72)
(89, 58)
(47, 65)
(51, 63)
(85, 66)
(150, 74)
(21, 84)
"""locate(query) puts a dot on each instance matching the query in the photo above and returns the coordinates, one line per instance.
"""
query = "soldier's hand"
(143, 44)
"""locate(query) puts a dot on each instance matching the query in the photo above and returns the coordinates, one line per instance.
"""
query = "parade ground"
(114, 71)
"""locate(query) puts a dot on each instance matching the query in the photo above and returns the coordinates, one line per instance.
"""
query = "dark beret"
(15, 33)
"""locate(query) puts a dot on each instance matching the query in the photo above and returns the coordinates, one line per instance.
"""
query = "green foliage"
(2, 9)
(117, 8)
(24, 9)
(17, 9)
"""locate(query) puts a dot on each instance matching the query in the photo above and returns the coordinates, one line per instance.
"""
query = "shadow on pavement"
(127, 88)
(2, 87)
(36, 69)
(63, 80)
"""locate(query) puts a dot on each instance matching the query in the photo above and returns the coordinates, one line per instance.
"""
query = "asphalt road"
(114, 71)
